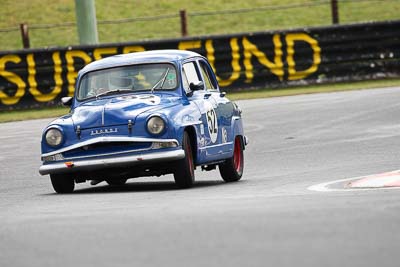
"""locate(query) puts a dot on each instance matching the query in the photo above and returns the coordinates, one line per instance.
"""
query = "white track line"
(386, 179)
(323, 187)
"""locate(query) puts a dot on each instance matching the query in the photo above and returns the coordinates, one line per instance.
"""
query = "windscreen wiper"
(115, 91)
(161, 81)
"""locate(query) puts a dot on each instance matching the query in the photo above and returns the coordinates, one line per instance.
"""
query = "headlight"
(54, 137)
(155, 125)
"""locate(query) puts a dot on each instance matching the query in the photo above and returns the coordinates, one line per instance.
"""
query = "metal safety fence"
(182, 17)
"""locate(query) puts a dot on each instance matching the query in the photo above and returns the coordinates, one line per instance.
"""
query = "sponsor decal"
(45, 75)
(202, 142)
(201, 129)
(224, 135)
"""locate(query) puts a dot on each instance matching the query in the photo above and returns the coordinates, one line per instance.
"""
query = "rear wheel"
(62, 183)
(184, 170)
(232, 169)
(116, 181)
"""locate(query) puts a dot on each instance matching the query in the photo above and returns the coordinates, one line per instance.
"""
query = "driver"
(140, 82)
(98, 85)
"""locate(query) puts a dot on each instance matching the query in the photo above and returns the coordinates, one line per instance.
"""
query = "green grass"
(313, 89)
(36, 12)
(21, 115)
(8, 116)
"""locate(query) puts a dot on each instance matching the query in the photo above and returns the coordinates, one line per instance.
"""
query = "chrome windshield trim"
(96, 164)
(108, 139)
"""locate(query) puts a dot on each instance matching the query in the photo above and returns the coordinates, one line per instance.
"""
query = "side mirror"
(66, 101)
(196, 86)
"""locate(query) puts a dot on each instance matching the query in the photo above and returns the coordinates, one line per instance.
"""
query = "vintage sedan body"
(144, 114)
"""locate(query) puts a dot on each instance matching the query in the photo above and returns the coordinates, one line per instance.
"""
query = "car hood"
(118, 110)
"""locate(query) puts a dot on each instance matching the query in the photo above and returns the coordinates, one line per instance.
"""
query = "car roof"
(154, 56)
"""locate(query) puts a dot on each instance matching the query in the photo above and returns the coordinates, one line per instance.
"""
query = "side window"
(190, 75)
(209, 82)
(185, 81)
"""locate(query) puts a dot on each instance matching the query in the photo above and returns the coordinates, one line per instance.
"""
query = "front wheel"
(184, 170)
(232, 169)
(62, 183)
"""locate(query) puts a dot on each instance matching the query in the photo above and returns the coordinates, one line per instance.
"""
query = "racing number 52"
(211, 120)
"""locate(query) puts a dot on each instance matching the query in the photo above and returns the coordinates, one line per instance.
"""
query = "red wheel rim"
(238, 156)
(189, 157)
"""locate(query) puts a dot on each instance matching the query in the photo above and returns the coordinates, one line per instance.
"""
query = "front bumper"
(159, 150)
(121, 161)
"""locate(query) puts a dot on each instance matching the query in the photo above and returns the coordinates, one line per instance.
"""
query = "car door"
(224, 108)
(214, 127)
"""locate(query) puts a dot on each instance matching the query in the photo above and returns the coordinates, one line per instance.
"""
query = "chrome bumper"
(94, 164)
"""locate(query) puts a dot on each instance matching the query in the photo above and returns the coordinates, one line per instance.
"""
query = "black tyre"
(232, 169)
(116, 181)
(62, 183)
(184, 170)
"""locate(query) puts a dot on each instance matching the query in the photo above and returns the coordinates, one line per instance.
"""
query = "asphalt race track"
(270, 218)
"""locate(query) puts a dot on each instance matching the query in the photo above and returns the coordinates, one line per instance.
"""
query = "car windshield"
(145, 77)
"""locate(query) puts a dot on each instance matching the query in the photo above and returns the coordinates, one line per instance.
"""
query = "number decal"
(224, 135)
(212, 124)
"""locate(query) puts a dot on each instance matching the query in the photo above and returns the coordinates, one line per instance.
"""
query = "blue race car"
(144, 114)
